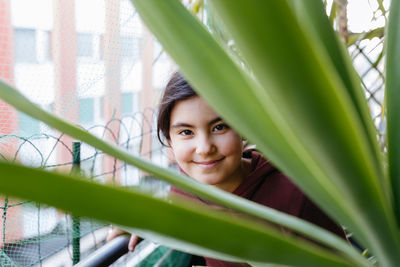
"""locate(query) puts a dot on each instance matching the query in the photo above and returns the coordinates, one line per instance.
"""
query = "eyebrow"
(183, 124)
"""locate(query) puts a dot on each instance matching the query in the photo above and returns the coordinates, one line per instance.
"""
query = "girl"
(209, 151)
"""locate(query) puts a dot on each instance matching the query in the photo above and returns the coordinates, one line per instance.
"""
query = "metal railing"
(107, 254)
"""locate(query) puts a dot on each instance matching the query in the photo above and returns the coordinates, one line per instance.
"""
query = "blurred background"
(96, 65)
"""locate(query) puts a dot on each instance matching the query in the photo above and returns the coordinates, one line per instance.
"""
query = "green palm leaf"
(325, 138)
(301, 104)
(299, 76)
(199, 229)
(16, 99)
(393, 100)
(311, 13)
(226, 87)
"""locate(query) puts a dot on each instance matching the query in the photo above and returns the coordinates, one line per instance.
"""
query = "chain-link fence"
(367, 57)
(366, 49)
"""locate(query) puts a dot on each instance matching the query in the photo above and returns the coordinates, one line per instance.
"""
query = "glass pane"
(85, 45)
(25, 46)
(86, 110)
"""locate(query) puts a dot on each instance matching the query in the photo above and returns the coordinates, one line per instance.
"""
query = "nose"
(205, 145)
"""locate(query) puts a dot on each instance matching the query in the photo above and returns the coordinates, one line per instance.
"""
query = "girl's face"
(205, 148)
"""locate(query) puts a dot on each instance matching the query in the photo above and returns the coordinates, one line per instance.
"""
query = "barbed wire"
(127, 132)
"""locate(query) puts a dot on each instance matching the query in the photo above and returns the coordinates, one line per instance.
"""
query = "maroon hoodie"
(266, 185)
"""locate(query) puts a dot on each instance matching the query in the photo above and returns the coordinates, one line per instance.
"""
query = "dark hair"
(176, 90)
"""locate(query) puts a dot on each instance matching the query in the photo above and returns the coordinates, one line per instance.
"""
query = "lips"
(208, 164)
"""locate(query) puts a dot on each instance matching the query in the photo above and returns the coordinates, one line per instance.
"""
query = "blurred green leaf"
(198, 228)
(286, 64)
(301, 104)
(393, 100)
(232, 93)
(311, 16)
(355, 37)
(16, 99)
(299, 76)
(333, 13)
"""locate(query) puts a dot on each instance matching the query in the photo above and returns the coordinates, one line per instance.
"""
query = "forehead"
(192, 110)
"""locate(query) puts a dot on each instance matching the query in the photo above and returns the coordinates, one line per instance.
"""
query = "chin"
(208, 180)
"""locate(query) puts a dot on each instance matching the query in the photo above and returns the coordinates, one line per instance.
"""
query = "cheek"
(231, 144)
(182, 151)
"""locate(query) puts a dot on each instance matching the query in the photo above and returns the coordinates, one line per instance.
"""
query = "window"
(28, 126)
(130, 48)
(127, 103)
(86, 110)
(130, 103)
(25, 46)
(85, 45)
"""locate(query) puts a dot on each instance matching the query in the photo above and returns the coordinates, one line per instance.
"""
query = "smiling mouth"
(208, 164)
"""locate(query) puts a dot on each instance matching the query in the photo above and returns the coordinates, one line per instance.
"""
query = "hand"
(133, 241)
(115, 231)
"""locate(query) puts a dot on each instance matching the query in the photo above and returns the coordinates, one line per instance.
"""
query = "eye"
(220, 127)
(186, 132)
